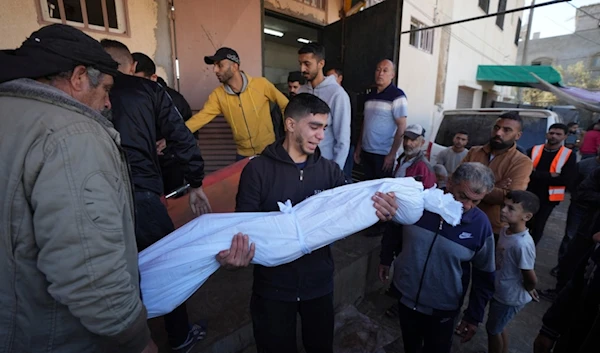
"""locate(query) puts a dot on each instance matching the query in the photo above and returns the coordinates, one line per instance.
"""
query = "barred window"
(98, 15)
(422, 39)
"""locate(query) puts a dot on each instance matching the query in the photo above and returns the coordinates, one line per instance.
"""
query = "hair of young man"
(571, 124)
(480, 178)
(462, 132)
(314, 48)
(296, 76)
(563, 127)
(121, 51)
(144, 64)
(337, 70)
(513, 116)
(305, 104)
(528, 200)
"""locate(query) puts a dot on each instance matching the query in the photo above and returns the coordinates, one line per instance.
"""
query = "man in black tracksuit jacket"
(294, 169)
(141, 109)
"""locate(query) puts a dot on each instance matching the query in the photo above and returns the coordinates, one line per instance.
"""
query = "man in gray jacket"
(69, 278)
(336, 144)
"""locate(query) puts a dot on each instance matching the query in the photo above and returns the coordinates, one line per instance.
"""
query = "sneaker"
(554, 272)
(197, 333)
(548, 294)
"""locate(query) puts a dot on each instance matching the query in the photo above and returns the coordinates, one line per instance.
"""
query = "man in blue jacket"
(293, 169)
(432, 272)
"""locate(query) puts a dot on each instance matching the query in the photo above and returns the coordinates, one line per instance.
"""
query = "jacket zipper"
(426, 262)
(246, 122)
(301, 174)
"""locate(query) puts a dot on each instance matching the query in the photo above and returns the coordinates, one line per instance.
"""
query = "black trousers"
(274, 324)
(538, 222)
(372, 164)
(152, 224)
(425, 333)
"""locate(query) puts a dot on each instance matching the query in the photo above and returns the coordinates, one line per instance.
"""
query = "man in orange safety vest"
(554, 169)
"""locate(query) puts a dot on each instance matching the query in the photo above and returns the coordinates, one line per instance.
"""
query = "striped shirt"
(381, 111)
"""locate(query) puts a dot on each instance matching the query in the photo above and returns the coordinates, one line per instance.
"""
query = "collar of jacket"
(487, 148)
(277, 152)
(32, 89)
(245, 79)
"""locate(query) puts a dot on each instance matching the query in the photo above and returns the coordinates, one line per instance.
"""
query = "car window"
(479, 128)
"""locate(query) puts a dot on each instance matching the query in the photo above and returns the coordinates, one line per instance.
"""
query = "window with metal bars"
(422, 39)
(319, 4)
(97, 15)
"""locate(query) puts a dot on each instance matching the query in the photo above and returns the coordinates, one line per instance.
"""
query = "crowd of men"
(93, 139)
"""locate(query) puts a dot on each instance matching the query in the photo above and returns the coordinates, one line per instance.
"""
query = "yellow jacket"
(248, 114)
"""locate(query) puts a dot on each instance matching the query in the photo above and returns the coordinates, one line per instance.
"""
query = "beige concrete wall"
(305, 12)
(19, 18)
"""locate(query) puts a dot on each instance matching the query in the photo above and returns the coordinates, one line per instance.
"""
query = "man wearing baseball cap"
(243, 100)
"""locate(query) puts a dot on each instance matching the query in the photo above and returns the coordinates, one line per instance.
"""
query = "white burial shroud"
(175, 267)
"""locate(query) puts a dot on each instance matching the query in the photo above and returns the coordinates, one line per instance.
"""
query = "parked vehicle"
(479, 122)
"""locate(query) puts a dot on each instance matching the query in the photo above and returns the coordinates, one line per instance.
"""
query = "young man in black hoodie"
(293, 169)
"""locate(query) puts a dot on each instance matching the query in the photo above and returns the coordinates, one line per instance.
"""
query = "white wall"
(417, 69)
(279, 61)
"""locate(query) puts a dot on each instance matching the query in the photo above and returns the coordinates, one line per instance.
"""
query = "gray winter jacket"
(69, 278)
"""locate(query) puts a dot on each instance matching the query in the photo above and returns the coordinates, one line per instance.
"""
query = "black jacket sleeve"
(589, 190)
(248, 198)
(172, 127)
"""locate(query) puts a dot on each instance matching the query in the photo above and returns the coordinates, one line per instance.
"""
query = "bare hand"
(466, 330)
(542, 344)
(160, 146)
(384, 273)
(357, 152)
(596, 237)
(534, 295)
(386, 205)
(504, 184)
(150, 347)
(239, 254)
(199, 202)
(388, 162)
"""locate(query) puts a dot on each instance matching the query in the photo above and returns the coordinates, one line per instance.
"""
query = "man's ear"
(154, 77)
(528, 216)
(78, 78)
(290, 124)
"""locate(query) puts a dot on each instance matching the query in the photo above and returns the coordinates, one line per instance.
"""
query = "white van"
(479, 122)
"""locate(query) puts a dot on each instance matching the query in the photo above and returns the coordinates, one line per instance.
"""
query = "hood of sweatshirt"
(276, 152)
(245, 79)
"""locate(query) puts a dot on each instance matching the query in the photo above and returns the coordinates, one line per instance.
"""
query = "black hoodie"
(273, 177)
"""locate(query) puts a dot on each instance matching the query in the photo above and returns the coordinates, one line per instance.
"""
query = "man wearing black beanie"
(69, 279)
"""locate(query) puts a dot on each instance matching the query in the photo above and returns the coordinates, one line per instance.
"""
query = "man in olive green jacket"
(69, 278)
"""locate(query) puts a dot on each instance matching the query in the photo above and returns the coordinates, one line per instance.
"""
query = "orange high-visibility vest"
(556, 193)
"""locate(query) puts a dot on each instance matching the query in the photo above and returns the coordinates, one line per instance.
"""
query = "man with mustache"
(511, 168)
(243, 101)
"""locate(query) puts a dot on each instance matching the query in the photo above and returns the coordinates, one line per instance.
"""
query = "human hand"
(357, 152)
(534, 295)
(504, 184)
(386, 205)
(388, 162)
(199, 202)
(466, 330)
(542, 344)
(238, 255)
(384, 273)
(160, 146)
(150, 347)
(596, 237)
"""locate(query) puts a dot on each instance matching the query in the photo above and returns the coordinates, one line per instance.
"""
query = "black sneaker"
(197, 333)
(548, 294)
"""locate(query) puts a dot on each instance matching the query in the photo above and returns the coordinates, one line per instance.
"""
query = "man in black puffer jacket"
(293, 169)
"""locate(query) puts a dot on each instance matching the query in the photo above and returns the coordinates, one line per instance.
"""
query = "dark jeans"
(349, 164)
(274, 324)
(152, 223)
(538, 222)
(372, 164)
(425, 333)
(574, 216)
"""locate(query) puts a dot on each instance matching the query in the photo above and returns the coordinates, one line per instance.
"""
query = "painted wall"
(417, 69)
(19, 18)
(329, 14)
(280, 59)
(203, 26)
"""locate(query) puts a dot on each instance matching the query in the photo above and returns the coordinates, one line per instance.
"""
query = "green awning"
(513, 75)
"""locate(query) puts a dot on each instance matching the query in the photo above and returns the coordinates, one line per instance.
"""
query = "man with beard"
(295, 80)
(336, 144)
(293, 169)
(511, 168)
(243, 101)
(412, 162)
(69, 279)
(451, 157)
(554, 168)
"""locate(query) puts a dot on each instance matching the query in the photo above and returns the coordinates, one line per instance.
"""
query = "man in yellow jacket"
(243, 100)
